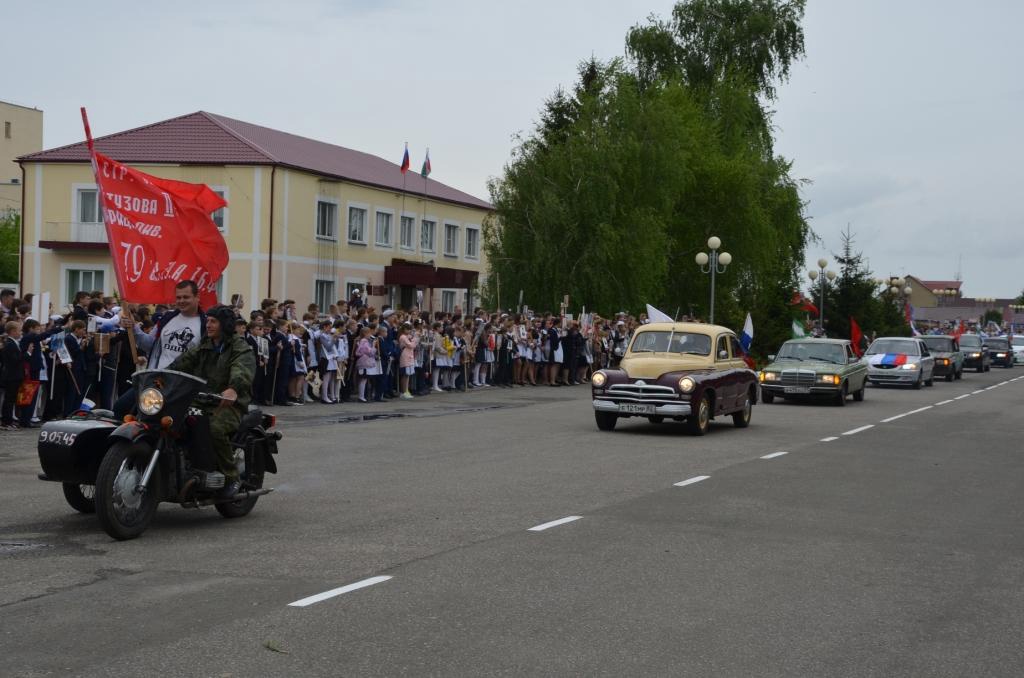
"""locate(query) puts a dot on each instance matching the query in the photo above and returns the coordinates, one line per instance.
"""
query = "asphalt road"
(870, 548)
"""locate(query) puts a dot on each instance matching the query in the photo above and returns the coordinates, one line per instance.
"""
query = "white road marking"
(773, 455)
(553, 523)
(857, 430)
(1003, 382)
(966, 395)
(907, 414)
(829, 439)
(337, 592)
(989, 388)
(980, 390)
(944, 402)
(691, 481)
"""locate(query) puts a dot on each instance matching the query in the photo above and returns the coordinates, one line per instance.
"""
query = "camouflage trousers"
(224, 423)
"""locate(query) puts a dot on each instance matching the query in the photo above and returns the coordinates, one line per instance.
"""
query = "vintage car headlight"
(598, 379)
(833, 379)
(943, 361)
(151, 401)
(769, 376)
(975, 355)
(1000, 355)
(909, 366)
(686, 384)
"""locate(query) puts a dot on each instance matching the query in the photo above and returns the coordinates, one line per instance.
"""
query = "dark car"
(682, 371)
(975, 352)
(1000, 351)
(949, 359)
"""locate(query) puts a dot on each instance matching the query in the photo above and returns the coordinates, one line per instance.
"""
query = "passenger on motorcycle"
(226, 362)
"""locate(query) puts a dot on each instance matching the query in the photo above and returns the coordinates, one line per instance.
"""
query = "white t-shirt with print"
(179, 334)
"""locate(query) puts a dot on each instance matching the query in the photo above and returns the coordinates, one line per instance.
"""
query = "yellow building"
(305, 220)
(22, 134)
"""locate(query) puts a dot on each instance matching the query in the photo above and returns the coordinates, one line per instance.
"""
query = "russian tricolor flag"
(405, 160)
(747, 337)
(894, 359)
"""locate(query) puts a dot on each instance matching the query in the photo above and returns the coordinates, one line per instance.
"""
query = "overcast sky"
(905, 115)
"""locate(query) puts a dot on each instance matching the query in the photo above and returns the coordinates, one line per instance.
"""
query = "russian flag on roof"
(405, 160)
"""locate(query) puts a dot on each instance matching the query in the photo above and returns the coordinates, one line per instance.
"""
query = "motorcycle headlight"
(908, 366)
(686, 384)
(151, 401)
(598, 379)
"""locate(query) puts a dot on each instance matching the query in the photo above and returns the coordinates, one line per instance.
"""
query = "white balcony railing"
(88, 232)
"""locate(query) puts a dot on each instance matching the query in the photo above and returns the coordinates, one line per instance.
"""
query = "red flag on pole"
(856, 336)
(160, 231)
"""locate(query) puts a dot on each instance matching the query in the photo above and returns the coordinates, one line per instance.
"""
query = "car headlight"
(686, 384)
(151, 401)
(598, 379)
(832, 379)
(769, 376)
(908, 366)
(1000, 355)
(943, 361)
(975, 355)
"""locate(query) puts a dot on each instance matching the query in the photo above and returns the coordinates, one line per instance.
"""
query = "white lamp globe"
(894, 289)
(907, 290)
(813, 275)
(714, 242)
(831, 275)
(725, 258)
(822, 263)
(702, 258)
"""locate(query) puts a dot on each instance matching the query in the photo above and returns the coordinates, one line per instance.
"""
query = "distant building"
(305, 220)
(22, 134)
(942, 301)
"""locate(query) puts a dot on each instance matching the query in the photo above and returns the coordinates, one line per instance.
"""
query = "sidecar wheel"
(82, 498)
(123, 513)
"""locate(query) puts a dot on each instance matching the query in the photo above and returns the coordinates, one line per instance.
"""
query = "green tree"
(993, 315)
(10, 240)
(627, 174)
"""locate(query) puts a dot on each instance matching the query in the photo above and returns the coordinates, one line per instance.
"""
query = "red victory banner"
(160, 231)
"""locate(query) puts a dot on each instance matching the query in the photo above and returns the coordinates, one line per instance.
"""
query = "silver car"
(900, 360)
(1017, 344)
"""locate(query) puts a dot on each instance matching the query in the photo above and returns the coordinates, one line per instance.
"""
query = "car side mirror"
(771, 357)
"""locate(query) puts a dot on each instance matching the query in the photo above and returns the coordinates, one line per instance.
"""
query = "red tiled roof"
(203, 138)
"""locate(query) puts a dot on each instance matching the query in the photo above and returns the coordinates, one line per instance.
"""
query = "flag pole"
(103, 213)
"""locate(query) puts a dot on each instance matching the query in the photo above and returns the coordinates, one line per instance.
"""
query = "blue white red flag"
(405, 160)
(747, 336)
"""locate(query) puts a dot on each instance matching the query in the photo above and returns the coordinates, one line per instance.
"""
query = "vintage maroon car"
(684, 371)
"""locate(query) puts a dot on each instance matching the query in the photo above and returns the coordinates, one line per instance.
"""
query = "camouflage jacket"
(232, 364)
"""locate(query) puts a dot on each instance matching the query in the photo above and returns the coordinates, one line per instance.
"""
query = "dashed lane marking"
(944, 402)
(553, 523)
(907, 414)
(691, 481)
(773, 455)
(857, 430)
(966, 395)
(980, 390)
(829, 439)
(305, 602)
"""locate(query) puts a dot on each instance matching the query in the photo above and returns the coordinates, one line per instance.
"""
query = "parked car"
(949, 359)
(1017, 344)
(900, 360)
(684, 371)
(975, 353)
(815, 368)
(1000, 352)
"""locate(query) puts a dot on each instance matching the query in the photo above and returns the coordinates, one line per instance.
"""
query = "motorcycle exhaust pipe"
(238, 497)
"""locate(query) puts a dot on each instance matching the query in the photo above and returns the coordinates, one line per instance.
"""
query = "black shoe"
(230, 489)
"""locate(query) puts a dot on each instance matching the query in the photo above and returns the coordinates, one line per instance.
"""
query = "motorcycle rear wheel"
(123, 513)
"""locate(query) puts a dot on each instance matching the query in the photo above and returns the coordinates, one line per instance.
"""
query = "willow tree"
(626, 175)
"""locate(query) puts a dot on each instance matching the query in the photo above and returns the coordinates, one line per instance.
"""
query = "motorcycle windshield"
(178, 388)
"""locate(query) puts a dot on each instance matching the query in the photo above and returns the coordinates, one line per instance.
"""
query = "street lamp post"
(710, 264)
(813, 275)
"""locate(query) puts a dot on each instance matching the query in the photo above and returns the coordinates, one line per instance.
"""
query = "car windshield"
(671, 342)
(808, 350)
(1018, 341)
(998, 344)
(940, 344)
(970, 341)
(893, 346)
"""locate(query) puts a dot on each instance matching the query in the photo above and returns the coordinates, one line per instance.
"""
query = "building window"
(88, 206)
(357, 225)
(326, 220)
(451, 240)
(83, 280)
(472, 243)
(428, 229)
(448, 301)
(218, 216)
(408, 233)
(7, 130)
(323, 294)
(350, 289)
(383, 236)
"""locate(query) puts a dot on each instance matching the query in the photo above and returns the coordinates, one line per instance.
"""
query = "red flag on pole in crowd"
(856, 337)
(802, 303)
(960, 329)
(160, 231)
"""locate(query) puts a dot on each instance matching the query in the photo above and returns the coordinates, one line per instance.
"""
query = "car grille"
(797, 378)
(646, 393)
(885, 377)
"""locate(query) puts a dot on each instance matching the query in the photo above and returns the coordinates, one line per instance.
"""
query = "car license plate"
(798, 389)
(629, 408)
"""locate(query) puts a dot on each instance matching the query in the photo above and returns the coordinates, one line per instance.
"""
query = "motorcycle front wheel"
(125, 513)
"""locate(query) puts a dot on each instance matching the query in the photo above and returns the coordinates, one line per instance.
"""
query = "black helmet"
(225, 315)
